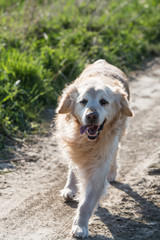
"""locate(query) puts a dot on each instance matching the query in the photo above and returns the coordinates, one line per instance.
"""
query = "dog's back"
(109, 74)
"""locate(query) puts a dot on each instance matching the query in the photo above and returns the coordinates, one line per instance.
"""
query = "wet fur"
(94, 162)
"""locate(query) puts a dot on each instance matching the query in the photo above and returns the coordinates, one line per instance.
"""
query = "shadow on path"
(124, 228)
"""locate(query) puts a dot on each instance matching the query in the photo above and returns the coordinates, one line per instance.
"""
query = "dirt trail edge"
(32, 209)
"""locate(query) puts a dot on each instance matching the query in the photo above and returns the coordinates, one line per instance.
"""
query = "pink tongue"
(83, 129)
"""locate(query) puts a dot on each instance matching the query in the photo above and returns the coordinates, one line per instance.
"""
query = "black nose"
(92, 117)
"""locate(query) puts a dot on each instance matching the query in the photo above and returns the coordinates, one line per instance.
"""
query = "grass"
(45, 44)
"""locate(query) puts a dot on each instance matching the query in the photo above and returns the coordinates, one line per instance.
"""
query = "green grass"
(46, 44)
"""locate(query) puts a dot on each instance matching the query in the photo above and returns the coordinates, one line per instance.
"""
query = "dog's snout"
(92, 117)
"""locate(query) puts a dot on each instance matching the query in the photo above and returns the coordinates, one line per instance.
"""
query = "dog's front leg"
(70, 188)
(91, 192)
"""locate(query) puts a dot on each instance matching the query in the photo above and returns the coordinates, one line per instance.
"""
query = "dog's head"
(93, 106)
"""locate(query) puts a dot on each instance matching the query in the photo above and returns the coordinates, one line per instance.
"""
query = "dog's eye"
(84, 101)
(103, 102)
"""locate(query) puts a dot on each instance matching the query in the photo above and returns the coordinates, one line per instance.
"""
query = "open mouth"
(92, 130)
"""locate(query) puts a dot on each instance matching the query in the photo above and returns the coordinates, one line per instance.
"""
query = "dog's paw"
(112, 176)
(79, 232)
(68, 193)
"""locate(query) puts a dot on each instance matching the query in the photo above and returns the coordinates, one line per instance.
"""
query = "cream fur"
(94, 161)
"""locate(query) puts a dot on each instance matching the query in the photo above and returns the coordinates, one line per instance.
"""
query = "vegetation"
(45, 44)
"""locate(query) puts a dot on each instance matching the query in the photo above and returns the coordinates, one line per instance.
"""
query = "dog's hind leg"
(70, 188)
(113, 166)
(113, 170)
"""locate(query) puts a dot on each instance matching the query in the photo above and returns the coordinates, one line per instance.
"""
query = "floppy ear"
(125, 108)
(67, 99)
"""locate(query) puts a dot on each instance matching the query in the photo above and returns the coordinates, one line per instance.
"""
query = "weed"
(45, 44)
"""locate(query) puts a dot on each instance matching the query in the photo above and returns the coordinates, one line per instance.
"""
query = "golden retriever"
(91, 119)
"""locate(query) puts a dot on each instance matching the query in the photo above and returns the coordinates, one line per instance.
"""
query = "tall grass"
(45, 44)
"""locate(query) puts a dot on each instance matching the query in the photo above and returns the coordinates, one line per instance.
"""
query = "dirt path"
(30, 205)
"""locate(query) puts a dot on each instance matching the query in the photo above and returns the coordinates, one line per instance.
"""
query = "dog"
(91, 119)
